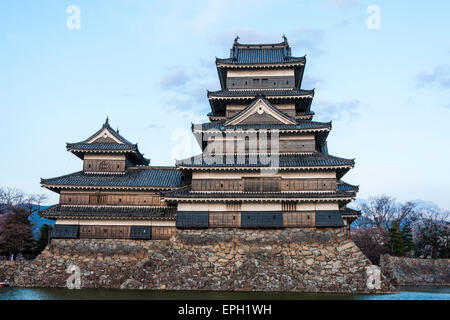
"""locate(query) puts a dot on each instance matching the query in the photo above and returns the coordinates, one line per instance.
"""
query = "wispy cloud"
(439, 76)
(307, 39)
(310, 82)
(154, 126)
(175, 77)
(338, 110)
(185, 87)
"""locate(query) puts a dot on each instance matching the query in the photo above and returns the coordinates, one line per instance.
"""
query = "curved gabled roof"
(112, 141)
(255, 54)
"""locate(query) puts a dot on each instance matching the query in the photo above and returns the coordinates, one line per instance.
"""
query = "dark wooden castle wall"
(264, 184)
(123, 232)
(95, 198)
(96, 165)
(242, 144)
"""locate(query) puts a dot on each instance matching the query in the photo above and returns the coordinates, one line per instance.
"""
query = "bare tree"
(371, 242)
(15, 227)
(383, 210)
(431, 234)
(11, 198)
(379, 214)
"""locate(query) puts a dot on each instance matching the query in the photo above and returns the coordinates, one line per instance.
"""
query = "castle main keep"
(263, 207)
(265, 164)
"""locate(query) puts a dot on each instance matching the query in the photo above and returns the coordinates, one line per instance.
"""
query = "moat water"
(405, 293)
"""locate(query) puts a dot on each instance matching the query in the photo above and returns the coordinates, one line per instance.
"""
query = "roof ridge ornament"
(284, 38)
(236, 40)
(106, 121)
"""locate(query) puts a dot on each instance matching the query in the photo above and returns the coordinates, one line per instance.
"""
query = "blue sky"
(147, 65)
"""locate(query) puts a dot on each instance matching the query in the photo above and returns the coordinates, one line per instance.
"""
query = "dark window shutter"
(262, 219)
(192, 219)
(62, 231)
(141, 232)
(329, 218)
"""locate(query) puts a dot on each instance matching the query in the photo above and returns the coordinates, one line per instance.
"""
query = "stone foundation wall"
(303, 260)
(410, 271)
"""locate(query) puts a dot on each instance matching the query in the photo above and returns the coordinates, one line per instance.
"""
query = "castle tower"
(265, 163)
(116, 195)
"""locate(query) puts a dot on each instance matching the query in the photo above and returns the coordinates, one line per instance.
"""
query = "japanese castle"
(264, 164)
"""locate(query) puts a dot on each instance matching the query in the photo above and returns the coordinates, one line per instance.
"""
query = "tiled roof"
(301, 125)
(253, 195)
(267, 104)
(78, 148)
(157, 177)
(93, 212)
(350, 212)
(101, 146)
(298, 160)
(261, 54)
(253, 93)
(344, 186)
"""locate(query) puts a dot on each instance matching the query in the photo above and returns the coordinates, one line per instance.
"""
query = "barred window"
(103, 166)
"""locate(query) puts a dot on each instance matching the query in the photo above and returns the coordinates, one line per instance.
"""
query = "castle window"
(264, 82)
(255, 82)
(97, 199)
(103, 166)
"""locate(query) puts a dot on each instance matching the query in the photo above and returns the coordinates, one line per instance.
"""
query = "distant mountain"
(37, 222)
(424, 204)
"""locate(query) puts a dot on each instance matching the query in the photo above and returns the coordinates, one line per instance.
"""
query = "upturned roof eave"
(268, 93)
(266, 198)
(117, 187)
(232, 63)
(79, 152)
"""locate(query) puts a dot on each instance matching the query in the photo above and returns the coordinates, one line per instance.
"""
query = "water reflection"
(406, 293)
